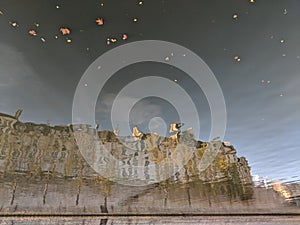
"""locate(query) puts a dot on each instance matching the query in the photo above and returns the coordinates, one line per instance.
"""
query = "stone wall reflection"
(42, 169)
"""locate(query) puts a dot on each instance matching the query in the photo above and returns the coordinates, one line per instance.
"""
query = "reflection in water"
(254, 220)
(43, 171)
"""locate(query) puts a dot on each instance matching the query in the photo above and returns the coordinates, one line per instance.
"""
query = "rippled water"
(43, 172)
(108, 179)
(254, 220)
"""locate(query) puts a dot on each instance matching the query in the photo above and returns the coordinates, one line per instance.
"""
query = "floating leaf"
(237, 58)
(32, 32)
(235, 16)
(14, 24)
(99, 21)
(124, 36)
(65, 31)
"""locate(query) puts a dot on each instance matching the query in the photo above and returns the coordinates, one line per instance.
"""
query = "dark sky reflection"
(261, 91)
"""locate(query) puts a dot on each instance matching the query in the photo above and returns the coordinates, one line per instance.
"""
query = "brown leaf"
(99, 21)
(65, 31)
(124, 36)
(32, 32)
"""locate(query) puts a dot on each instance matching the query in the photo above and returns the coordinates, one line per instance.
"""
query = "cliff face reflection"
(42, 170)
